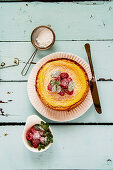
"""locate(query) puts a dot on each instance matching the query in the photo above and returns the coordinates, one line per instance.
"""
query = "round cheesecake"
(55, 100)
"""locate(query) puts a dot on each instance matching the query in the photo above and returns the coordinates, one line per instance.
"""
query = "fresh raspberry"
(32, 130)
(35, 143)
(64, 75)
(69, 92)
(29, 136)
(69, 79)
(64, 83)
(49, 87)
(58, 79)
(62, 92)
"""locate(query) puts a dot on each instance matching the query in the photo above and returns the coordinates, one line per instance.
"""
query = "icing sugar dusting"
(36, 135)
(44, 38)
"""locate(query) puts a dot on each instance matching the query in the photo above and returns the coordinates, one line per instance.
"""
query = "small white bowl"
(32, 120)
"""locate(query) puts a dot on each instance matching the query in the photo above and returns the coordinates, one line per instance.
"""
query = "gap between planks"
(59, 40)
(84, 124)
(81, 2)
(21, 81)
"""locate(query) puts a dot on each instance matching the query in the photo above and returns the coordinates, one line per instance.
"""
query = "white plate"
(60, 116)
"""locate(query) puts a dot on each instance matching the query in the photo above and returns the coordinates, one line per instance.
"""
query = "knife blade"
(93, 82)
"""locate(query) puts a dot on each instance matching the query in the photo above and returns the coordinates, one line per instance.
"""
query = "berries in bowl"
(37, 134)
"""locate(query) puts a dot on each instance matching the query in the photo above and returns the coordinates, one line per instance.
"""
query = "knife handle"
(88, 51)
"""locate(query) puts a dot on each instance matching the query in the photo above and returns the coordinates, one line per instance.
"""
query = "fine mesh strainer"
(34, 35)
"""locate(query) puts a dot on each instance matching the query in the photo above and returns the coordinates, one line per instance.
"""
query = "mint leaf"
(45, 126)
(54, 88)
(71, 86)
(39, 147)
(29, 142)
(52, 82)
(51, 140)
(55, 74)
(36, 127)
(57, 83)
(58, 89)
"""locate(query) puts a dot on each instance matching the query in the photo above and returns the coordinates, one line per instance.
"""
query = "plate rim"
(48, 57)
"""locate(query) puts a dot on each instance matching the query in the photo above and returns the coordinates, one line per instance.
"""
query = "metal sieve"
(34, 35)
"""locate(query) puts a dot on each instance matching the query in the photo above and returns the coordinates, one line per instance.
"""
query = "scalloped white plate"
(60, 116)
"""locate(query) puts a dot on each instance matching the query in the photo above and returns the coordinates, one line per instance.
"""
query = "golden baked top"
(54, 99)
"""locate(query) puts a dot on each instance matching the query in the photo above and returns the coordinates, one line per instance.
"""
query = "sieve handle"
(28, 64)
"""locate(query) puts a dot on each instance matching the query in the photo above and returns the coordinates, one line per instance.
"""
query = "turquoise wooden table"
(84, 143)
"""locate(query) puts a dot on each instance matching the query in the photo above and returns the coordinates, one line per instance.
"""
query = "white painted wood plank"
(20, 107)
(102, 55)
(78, 147)
(69, 20)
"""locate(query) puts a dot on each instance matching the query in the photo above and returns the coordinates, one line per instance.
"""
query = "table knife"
(93, 83)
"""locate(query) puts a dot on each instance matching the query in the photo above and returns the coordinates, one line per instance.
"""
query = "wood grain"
(17, 107)
(102, 56)
(70, 21)
(74, 147)
(74, 23)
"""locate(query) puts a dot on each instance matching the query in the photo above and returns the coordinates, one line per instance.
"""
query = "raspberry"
(35, 143)
(32, 130)
(62, 92)
(69, 79)
(29, 136)
(57, 78)
(64, 83)
(64, 75)
(49, 87)
(69, 92)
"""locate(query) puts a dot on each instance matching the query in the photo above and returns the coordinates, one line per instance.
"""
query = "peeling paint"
(90, 3)
(8, 92)
(5, 134)
(2, 112)
(5, 102)
(110, 8)
(109, 162)
(2, 102)
(30, 20)
(103, 79)
(103, 23)
(10, 100)
(92, 17)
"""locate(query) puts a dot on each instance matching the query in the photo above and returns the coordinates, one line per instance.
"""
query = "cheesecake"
(62, 84)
